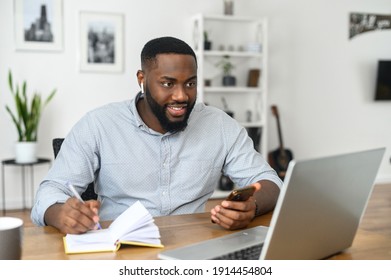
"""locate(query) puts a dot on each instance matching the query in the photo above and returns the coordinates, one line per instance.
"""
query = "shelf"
(252, 124)
(232, 89)
(229, 18)
(244, 40)
(233, 53)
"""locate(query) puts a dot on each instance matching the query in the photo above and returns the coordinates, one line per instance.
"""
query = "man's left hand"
(234, 214)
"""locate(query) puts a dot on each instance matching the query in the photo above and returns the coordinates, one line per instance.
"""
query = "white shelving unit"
(244, 40)
(235, 37)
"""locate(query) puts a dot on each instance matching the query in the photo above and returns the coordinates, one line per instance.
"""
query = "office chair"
(89, 193)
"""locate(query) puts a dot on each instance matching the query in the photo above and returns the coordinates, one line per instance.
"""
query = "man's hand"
(73, 216)
(234, 214)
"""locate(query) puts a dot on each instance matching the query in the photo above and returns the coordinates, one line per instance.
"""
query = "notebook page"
(134, 217)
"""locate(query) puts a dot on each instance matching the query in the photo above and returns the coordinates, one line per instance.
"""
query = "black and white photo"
(101, 43)
(38, 24)
(101, 37)
(361, 22)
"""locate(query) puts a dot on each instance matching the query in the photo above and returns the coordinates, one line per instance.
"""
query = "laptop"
(316, 216)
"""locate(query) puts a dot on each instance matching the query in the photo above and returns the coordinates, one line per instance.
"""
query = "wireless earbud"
(142, 87)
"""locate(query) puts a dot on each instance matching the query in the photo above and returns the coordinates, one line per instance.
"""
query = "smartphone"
(241, 194)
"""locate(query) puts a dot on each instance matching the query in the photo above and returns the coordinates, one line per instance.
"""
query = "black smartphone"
(241, 194)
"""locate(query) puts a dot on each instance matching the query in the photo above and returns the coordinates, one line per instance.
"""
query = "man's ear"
(140, 79)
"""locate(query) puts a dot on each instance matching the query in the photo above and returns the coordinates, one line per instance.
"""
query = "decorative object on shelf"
(101, 38)
(207, 43)
(38, 25)
(249, 116)
(253, 77)
(226, 109)
(361, 22)
(228, 7)
(227, 66)
(207, 82)
(26, 119)
(254, 47)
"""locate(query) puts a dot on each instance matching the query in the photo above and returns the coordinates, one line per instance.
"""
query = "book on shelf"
(135, 227)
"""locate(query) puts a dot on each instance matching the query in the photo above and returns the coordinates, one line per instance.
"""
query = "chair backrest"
(89, 192)
(57, 142)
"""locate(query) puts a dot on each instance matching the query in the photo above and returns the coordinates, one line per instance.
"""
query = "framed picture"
(361, 23)
(101, 39)
(38, 24)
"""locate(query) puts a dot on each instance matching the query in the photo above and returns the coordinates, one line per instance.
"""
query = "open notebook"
(135, 226)
(317, 213)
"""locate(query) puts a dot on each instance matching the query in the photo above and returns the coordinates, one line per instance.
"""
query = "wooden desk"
(373, 239)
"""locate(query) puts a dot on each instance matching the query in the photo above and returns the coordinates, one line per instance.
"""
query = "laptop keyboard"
(249, 253)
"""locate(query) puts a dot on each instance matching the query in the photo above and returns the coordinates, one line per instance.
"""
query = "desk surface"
(373, 239)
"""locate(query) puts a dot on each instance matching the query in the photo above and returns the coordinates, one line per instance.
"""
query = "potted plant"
(227, 66)
(26, 119)
(207, 43)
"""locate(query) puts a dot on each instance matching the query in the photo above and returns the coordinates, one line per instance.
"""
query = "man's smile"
(177, 110)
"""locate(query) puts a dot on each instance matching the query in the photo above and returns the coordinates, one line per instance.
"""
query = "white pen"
(76, 194)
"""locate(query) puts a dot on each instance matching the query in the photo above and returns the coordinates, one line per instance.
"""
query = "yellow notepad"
(135, 226)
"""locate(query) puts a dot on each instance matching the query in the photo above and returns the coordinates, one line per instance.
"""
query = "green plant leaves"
(226, 65)
(28, 115)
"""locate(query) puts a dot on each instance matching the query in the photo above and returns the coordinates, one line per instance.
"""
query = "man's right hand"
(73, 216)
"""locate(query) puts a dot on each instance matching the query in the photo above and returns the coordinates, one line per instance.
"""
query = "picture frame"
(38, 25)
(365, 22)
(101, 42)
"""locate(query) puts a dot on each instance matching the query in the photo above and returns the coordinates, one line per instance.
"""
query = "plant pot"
(207, 45)
(26, 152)
(229, 81)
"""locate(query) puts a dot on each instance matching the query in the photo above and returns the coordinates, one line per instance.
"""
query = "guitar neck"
(279, 134)
(281, 144)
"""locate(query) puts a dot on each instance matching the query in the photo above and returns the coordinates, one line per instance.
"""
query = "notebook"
(135, 226)
(316, 216)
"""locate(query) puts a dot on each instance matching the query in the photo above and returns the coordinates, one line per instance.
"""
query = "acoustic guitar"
(279, 158)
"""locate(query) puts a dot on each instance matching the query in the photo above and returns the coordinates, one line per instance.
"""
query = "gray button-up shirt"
(168, 173)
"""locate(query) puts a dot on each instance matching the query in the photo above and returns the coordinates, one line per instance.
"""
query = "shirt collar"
(139, 121)
(133, 109)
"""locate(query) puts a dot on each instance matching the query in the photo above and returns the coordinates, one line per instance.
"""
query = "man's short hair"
(164, 45)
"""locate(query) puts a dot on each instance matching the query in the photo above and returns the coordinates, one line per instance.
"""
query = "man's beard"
(161, 114)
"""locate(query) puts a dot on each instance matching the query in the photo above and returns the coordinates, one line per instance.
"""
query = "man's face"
(171, 90)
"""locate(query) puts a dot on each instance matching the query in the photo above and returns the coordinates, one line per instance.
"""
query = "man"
(160, 148)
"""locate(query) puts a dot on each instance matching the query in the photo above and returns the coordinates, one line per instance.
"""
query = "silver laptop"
(317, 214)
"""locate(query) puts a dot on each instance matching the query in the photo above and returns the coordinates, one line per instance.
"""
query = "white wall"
(322, 82)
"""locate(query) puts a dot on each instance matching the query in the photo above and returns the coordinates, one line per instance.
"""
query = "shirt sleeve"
(76, 163)
(243, 164)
